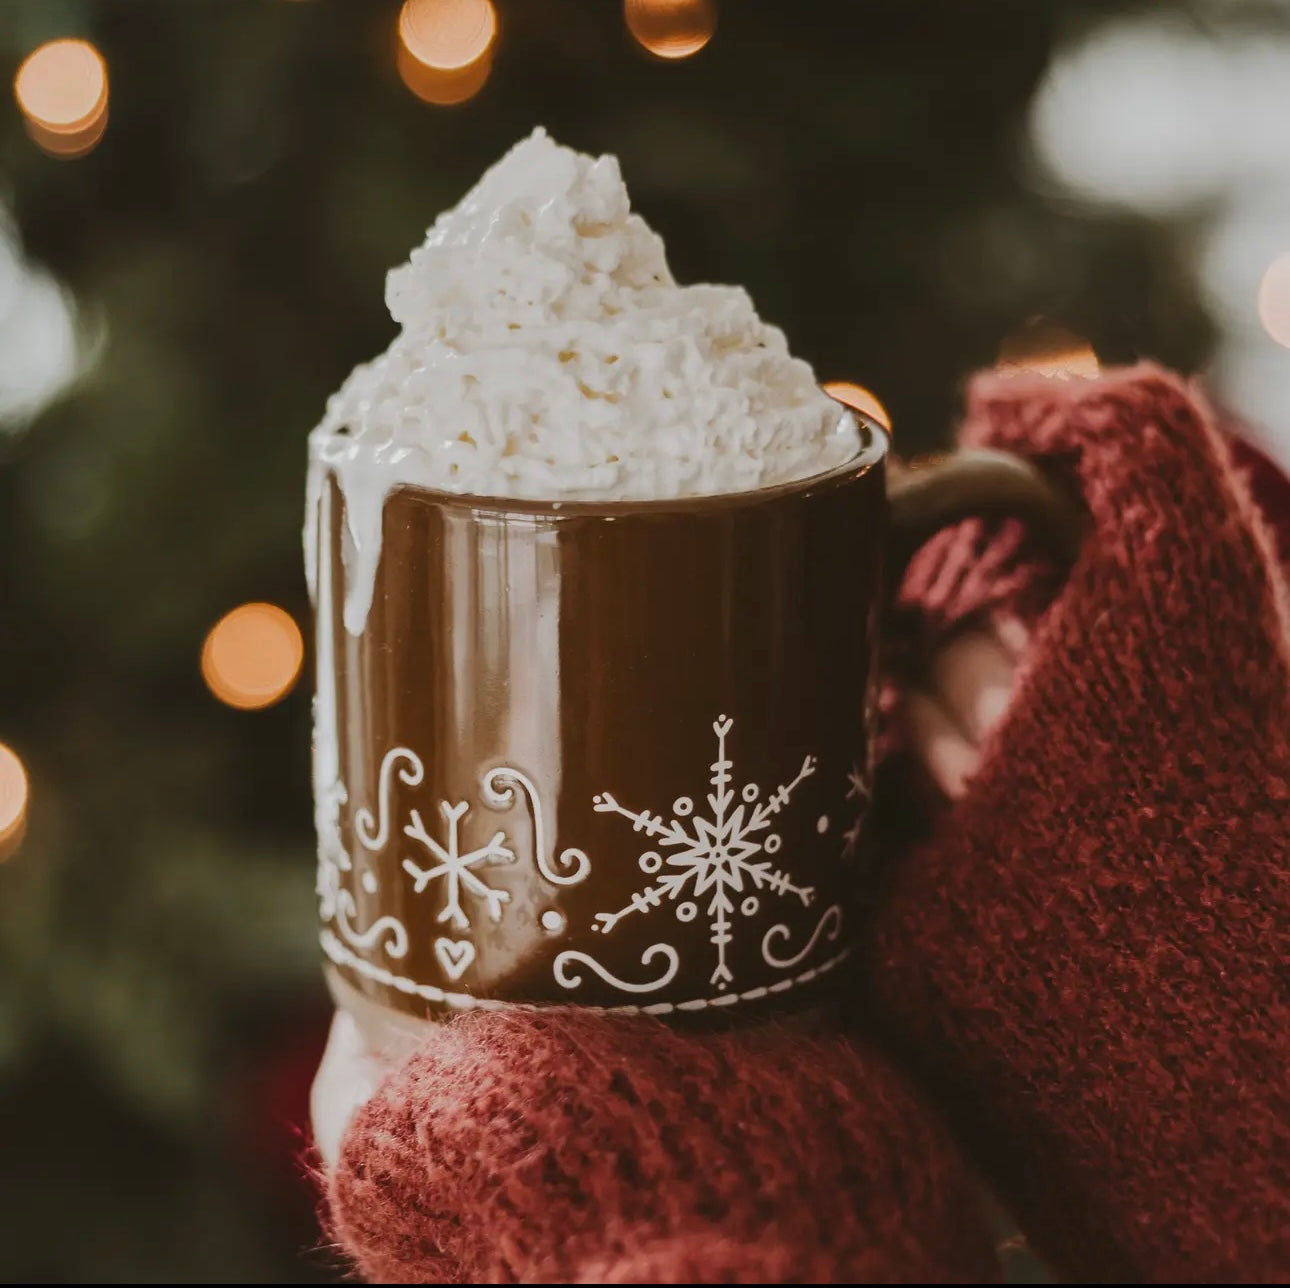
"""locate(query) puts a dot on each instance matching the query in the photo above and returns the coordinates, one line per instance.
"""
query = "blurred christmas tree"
(858, 165)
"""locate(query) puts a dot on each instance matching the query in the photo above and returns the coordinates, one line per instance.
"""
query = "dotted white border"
(343, 956)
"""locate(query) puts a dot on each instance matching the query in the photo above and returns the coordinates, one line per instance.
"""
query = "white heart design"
(454, 956)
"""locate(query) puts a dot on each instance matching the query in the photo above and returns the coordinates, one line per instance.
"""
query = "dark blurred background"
(192, 256)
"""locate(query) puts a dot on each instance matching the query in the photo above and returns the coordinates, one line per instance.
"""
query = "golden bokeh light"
(67, 147)
(1047, 349)
(62, 91)
(252, 656)
(1274, 300)
(443, 88)
(14, 795)
(445, 50)
(861, 399)
(447, 34)
(671, 28)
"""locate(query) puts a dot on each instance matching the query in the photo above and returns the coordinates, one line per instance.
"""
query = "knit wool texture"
(578, 1147)
(1087, 959)
(1090, 955)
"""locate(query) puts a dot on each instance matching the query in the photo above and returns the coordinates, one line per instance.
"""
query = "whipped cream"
(546, 352)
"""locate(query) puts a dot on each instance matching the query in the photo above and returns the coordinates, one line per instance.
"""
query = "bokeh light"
(42, 348)
(440, 87)
(447, 33)
(861, 399)
(1274, 300)
(445, 50)
(14, 794)
(1048, 350)
(252, 656)
(62, 92)
(671, 28)
(1139, 112)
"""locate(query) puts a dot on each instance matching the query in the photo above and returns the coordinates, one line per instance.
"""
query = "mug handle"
(933, 493)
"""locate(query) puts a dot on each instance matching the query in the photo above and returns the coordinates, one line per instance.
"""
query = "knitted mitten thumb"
(576, 1147)
(1090, 955)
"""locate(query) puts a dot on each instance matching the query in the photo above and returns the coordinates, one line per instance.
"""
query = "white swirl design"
(347, 958)
(412, 774)
(575, 863)
(569, 980)
(396, 935)
(830, 924)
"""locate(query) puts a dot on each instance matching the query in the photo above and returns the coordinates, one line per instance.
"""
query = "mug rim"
(875, 443)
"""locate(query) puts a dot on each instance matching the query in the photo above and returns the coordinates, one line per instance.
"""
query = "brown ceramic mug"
(617, 754)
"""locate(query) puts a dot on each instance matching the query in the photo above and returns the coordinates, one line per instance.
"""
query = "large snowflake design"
(712, 861)
(456, 868)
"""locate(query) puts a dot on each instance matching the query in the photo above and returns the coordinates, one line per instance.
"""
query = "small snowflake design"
(457, 868)
(724, 863)
(858, 791)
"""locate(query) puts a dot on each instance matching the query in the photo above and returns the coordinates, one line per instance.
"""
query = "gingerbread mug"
(617, 754)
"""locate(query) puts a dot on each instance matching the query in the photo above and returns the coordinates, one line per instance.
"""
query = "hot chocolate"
(546, 352)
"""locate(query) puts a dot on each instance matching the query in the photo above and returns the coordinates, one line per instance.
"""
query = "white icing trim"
(363, 820)
(504, 796)
(342, 956)
(832, 914)
(396, 935)
(567, 980)
(454, 956)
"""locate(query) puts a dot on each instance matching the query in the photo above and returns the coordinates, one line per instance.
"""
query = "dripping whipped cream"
(546, 352)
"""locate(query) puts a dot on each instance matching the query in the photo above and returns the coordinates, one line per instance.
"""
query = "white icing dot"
(822, 825)
(553, 922)
(369, 883)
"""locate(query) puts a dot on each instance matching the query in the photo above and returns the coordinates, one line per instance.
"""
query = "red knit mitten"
(1092, 954)
(576, 1147)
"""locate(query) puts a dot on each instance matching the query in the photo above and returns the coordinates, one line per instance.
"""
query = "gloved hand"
(1091, 956)
(571, 1146)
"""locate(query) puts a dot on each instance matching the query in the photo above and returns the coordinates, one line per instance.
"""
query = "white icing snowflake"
(858, 791)
(456, 867)
(716, 856)
(332, 858)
